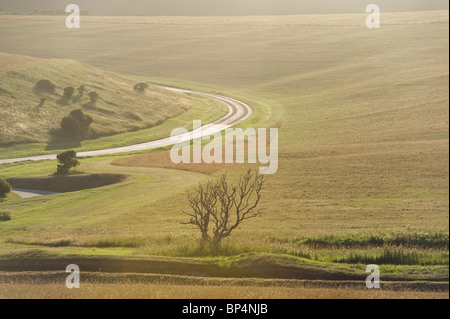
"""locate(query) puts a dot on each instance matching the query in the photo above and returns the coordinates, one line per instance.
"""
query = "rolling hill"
(119, 108)
(363, 152)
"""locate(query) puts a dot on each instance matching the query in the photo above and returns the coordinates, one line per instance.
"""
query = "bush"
(68, 92)
(4, 217)
(46, 86)
(76, 125)
(84, 120)
(67, 161)
(71, 127)
(141, 87)
(5, 188)
(93, 96)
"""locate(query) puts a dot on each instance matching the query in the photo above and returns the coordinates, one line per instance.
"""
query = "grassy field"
(363, 172)
(164, 291)
(39, 290)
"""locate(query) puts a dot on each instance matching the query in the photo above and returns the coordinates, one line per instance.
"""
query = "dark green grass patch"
(67, 183)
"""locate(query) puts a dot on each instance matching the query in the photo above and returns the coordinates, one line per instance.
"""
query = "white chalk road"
(237, 112)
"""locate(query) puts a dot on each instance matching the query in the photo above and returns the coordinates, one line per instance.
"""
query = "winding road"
(238, 112)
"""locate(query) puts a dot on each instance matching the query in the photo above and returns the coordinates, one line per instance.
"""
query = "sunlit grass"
(164, 291)
(363, 171)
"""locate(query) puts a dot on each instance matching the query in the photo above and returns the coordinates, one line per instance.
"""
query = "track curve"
(238, 112)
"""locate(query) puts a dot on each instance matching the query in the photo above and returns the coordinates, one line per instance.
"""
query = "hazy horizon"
(221, 7)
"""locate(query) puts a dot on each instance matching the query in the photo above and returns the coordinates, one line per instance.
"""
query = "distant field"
(364, 149)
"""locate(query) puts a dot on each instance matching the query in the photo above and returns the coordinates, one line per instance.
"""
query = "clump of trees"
(67, 160)
(219, 207)
(46, 86)
(5, 188)
(141, 87)
(76, 125)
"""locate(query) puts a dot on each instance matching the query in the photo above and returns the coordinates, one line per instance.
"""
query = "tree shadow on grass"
(60, 141)
(63, 101)
(89, 106)
(62, 145)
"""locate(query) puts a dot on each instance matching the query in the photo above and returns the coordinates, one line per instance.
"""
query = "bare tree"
(225, 207)
(202, 201)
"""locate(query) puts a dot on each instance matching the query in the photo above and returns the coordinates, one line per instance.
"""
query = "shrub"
(141, 87)
(93, 96)
(71, 127)
(67, 161)
(76, 125)
(81, 90)
(5, 188)
(4, 217)
(46, 86)
(68, 92)
(85, 120)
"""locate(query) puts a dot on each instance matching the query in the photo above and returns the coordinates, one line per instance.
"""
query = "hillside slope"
(119, 108)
